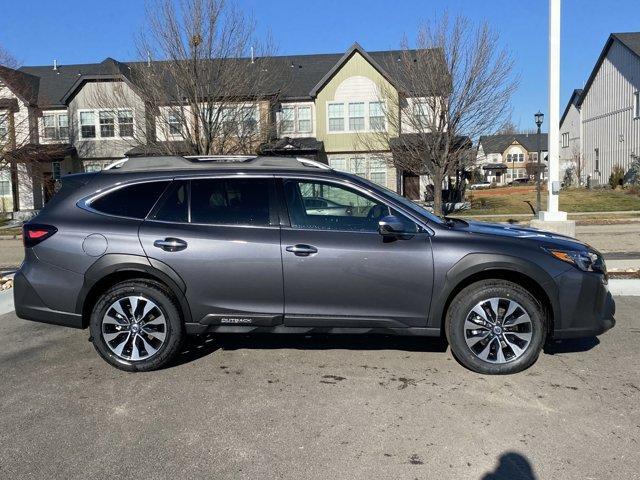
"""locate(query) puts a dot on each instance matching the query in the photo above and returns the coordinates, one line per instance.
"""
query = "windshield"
(414, 207)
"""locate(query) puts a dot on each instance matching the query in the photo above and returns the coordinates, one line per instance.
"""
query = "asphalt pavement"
(295, 407)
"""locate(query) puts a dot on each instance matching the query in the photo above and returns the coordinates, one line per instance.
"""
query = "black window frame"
(89, 203)
(273, 206)
(285, 216)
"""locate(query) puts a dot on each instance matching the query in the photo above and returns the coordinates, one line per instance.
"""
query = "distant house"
(503, 158)
(600, 127)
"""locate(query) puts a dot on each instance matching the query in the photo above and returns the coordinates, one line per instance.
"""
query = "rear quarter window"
(132, 201)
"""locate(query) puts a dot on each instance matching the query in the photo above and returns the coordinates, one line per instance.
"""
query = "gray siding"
(607, 114)
(105, 95)
(570, 154)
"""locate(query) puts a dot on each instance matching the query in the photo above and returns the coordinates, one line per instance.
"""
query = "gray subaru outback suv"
(162, 247)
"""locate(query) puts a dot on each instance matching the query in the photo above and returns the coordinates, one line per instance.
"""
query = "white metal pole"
(554, 106)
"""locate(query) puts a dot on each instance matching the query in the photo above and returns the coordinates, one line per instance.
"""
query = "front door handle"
(171, 244)
(302, 250)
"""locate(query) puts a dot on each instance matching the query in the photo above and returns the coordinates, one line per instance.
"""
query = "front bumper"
(29, 306)
(586, 306)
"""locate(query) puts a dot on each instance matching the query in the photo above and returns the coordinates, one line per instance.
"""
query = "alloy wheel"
(134, 328)
(498, 330)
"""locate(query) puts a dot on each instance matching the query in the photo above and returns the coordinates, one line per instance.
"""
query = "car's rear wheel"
(495, 327)
(136, 326)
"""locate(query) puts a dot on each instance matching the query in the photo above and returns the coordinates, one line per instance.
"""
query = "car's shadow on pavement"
(197, 347)
(574, 345)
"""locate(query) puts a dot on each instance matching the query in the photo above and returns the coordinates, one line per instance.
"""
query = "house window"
(376, 116)
(107, 124)
(304, 119)
(338, 163)
(565, 140)
(521, 157)
(288, 119)
(175, 127)
(63, 125)
(5, 176)
(509, 158)
(356, 116)
(336, 117)
(49, 126)
(597, 152)
(248, 120)
(420, 110)
(55, 170)
(55, 126)
(534, 157)
(88, 124)
(125, 123)
(378, 171)
(636, 105)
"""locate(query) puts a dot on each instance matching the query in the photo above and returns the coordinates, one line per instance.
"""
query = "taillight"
(34, 233)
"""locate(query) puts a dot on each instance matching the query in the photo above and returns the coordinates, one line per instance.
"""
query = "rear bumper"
(29, 306)
(587, 306)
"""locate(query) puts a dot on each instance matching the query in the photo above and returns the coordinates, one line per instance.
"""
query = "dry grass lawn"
(513, 200)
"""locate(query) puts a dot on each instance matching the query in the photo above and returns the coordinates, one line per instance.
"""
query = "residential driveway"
(318, 408)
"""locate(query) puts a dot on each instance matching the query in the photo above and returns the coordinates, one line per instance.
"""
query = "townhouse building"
(600, 128)
(330, 108)
(504, 158)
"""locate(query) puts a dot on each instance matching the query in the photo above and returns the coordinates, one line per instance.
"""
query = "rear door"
(221, 235)
(340, 272)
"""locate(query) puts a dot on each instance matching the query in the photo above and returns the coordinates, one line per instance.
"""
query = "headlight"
(585, 260)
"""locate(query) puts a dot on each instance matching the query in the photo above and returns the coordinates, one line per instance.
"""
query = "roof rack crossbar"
(194, 162)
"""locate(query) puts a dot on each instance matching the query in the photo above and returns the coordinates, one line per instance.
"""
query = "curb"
(6, 301)
(624, 287)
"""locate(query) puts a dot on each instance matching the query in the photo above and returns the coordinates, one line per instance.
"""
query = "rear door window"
(175, 205)
(133, 201)
(231, 201)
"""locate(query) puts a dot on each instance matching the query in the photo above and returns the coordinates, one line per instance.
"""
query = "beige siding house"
(332, 107)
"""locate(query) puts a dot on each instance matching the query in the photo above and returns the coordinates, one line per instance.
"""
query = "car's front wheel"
(136, 326)
(495, 327)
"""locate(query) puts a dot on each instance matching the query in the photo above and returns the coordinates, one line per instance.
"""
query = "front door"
(340, 272)
(411, 186)
(222, 237)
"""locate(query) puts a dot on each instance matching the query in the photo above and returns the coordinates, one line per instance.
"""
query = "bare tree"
(207, 85)
(508, 128)
(454, 85)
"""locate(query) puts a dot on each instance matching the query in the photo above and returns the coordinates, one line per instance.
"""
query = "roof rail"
(195, 162)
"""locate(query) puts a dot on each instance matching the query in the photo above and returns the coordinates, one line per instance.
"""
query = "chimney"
(148, 58)
(55, 65)
(252, 57)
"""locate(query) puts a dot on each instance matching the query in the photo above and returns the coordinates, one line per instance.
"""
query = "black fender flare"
(114, 263)
(477, 263)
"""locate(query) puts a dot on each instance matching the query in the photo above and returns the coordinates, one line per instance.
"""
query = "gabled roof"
(499, 143)
(22, 84)
(297, 77)
(355, 48)
(576, 98)
(630, 40)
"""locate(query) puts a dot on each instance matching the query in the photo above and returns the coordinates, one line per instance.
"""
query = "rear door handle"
(171, 244)
(302, 250)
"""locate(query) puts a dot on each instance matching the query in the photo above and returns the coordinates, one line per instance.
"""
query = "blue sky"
(74, 31)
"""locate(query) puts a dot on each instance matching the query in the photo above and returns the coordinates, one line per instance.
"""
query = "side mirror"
(392, 226)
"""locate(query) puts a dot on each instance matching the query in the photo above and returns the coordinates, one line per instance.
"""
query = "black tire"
(173, 329)
(473, 295)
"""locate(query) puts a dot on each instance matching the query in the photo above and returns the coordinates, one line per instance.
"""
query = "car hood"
(512, 231)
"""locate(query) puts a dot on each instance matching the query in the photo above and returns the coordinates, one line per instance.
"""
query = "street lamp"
(539, 119)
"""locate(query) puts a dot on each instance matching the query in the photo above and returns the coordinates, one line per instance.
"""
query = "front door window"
(324, 206)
